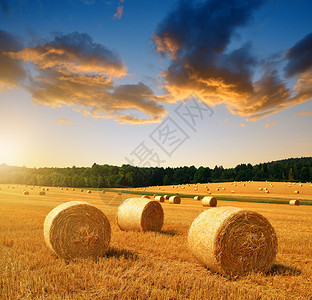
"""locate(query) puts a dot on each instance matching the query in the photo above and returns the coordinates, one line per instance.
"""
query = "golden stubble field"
(148, 265)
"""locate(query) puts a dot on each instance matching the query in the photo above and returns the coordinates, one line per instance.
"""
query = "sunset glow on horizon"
(86, 82)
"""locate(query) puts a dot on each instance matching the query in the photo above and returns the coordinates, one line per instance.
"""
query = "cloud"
(195, 37)
(242, 125)
(299, 57)
(11, 71)
(74, 52)
(304, 113)
(74, 71)
(65, 122)
(119, 11)
(270, 124)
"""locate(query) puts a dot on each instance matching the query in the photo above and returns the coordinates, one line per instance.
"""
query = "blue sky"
(42, 128)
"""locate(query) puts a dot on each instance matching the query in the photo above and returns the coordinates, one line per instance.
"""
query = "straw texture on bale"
(77, 229)
(294, 202)
(209, 201)
(140, 214)
(41, 193)
(174, 200)
(197, 198)
(26, 193)
(232, 241)
(160, 198)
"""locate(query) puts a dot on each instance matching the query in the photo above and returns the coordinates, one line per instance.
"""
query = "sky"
(154, 83)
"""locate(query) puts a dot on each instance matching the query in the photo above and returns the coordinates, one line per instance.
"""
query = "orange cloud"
(65, 122)
(304, 113)
(242, 125)
(270, 124)
(119, 11)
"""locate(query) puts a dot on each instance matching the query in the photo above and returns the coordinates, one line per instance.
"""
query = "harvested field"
(140, 265)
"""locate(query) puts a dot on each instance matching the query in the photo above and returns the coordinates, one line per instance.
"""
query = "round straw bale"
(41, 193)
(119, 193)
(61, 188)
(140, 214)
(46, 189)
(146, 197)
(209, 201)
(197, 198)
(103, 192)
(25, 193)
(73, 189)
(88, 191)
(160, 198)
(232, 191)
(81, 190)
(260, 189)
(232, 241)
(154, 195)
(174, 200)
(296, 192)
(294, 202)
(77, 229)
(166, 197)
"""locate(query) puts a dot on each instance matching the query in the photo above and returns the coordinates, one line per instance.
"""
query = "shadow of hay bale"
(170, 232)
(279, 269)
(119, 253)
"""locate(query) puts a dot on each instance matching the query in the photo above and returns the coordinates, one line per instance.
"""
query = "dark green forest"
(102, 176)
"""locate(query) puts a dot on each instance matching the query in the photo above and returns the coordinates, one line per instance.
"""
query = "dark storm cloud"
(196, 36)
(299, 57)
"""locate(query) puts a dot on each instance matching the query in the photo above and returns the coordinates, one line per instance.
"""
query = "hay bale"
(217, 189)
(209, 201)
(296, 192)
(119, 193)
(197, 198)
(160, 198)
(41, 193)
(232, 191)
(61, 188)
(174, 200)
(294, 202)
(103, 192)
(88, 191)
(140, 214)
(25, 193)
(77, 229)
(260, 189)
(73, 189)
(267, 191)
(146, 197)
(46, 189)
(232, 241)
(166, 197)
(81, 190)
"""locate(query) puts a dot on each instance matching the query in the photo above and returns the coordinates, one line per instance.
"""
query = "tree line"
(103, 176)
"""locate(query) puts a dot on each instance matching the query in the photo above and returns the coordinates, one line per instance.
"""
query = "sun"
(7, 152)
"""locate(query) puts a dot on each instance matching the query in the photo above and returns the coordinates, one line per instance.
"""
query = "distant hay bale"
(41, 193)
(166, 197)
(267, 191)
(81, 190)
(300, 184)
(160, 198)
(154, 195)
(146, 196)
(25, 193)
(88, 191)
(140, 214)
(260, 189)
(73, 189)
(209, 201)
(197, 198)
(77, 229)
(46, 189)
(217, 189)
(119, 193)
(296, 192)
(103, 192)
(232, 191)
(61, 188)
(232, 241)
(294, 202)
(174, 200)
